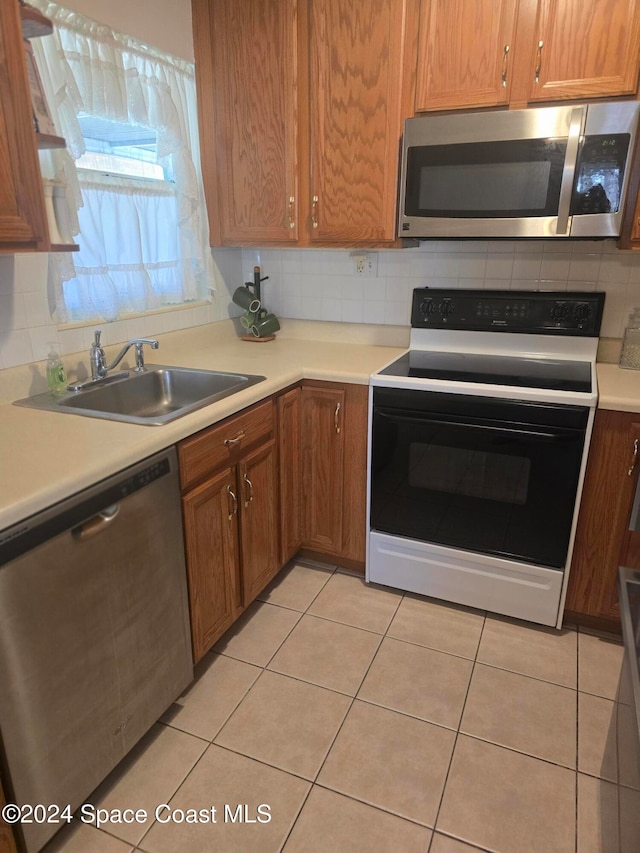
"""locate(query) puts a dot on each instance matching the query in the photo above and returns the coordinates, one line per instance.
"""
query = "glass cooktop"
(552, 374)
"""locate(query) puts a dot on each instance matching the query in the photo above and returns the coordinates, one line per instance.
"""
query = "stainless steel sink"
(157, 396)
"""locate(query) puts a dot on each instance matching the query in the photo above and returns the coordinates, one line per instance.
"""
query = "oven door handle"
(550, 435)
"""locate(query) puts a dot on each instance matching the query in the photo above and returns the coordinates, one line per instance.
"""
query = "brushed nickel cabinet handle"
(292, 221)
(231, 442)
(505, 57)
(234, 498)
(314, 211)
(336, 415)
(634, 458)
(538, 62)
(250, 484)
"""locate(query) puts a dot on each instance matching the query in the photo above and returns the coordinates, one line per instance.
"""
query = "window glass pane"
(120, 148)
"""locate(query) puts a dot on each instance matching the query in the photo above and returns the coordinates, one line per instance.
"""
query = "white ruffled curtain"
(157, 249)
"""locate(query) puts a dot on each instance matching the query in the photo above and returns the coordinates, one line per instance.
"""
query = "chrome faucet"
(99, 367)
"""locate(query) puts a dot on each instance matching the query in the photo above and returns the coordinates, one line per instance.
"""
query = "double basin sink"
(154, 397)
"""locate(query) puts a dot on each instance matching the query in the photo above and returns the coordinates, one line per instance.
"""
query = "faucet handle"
(138, 343)
(96, 337)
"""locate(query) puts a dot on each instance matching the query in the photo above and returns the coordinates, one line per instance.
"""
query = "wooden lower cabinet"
(213, 559)
(229, 478)
(603, 540)
(334, 463)
(285, 475)
(289, 407)
(258, 520)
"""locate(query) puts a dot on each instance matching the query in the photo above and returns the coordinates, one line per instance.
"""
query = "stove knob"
(446, 308)
(427, 308)
(559, 311)
(582, 311)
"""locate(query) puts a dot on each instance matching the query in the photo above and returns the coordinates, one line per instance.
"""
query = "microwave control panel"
(529, 312)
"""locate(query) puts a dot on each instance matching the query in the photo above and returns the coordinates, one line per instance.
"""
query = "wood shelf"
(46, 140)
(64, 247)
(34, 23)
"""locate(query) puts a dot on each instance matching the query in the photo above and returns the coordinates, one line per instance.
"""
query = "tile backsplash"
(322, 284)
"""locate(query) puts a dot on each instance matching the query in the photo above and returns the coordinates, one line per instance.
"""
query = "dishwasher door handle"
(95, 525)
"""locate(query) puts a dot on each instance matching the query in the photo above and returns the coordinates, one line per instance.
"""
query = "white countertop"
(618, 388)
(48, 456)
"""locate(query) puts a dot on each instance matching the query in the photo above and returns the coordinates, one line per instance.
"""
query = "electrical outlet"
(366, 263)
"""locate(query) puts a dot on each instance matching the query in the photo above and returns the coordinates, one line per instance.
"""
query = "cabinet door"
(22, 216)
(465, 53)
(585, 49)
(354, 506)
(605, 508)
(247, 84)
(290, 472)
(322, 462)
(355, 117)
(211, 538)
(259, 508)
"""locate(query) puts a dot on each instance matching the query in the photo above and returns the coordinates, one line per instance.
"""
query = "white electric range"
(478, 441)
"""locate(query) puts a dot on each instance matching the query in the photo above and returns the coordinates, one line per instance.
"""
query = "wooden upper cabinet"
(585, 49)
(22, 214)
(246, 72)
(355, 117)
(465, 53)
(300, 105)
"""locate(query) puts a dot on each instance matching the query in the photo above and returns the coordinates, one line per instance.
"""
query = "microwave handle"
(569, 172)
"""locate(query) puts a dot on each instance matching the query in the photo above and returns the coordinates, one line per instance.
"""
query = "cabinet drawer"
(224, 443)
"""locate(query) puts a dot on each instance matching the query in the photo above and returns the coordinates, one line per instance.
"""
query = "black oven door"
(491, 476)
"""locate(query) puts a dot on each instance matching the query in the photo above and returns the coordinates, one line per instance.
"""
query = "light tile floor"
(368, 720)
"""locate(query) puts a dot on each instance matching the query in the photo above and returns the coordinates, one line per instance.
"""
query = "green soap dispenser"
(56, 379)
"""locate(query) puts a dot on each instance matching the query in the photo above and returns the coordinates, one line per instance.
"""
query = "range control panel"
(528, 311)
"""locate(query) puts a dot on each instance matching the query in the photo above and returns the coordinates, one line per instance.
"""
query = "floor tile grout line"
(388, 811)
(457, 736)
(330, 574)
(169, 798)
(351, 704)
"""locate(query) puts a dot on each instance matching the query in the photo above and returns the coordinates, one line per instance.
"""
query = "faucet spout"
(99, 367)
(138, 344)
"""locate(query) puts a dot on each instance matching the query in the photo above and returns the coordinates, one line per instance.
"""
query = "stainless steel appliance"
(543, 172)
(478, 444)
(94, 634)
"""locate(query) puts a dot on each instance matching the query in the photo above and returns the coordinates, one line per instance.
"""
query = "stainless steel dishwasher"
(94, 634)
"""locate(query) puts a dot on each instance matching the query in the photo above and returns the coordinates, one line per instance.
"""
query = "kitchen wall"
(163, 23)
(323, 284)
(26, 325)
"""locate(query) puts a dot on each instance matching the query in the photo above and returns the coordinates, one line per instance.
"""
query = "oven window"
(472, 473)
(482, 484)
(511, 179)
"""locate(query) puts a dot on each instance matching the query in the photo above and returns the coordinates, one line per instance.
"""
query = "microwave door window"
(487, 180)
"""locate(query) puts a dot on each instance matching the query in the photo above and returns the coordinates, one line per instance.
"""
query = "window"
(120, 149)
(129, 115)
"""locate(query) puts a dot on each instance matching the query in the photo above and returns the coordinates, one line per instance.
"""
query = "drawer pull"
(234, 498)
(231, 442)
(250, 485)
(336, 416)
(634, 457)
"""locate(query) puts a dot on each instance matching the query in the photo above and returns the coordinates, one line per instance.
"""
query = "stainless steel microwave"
(544, 172)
